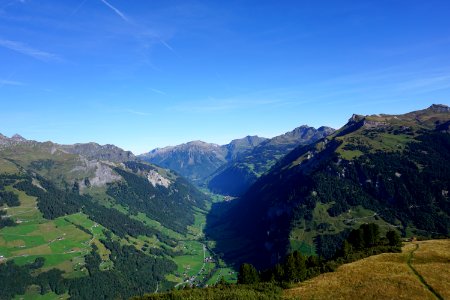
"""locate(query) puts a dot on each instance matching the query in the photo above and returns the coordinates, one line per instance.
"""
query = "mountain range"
(94, 221)
(197, 160)
(236, 176)
(230, 169)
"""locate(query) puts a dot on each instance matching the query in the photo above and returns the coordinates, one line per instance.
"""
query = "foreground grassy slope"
(386, 276)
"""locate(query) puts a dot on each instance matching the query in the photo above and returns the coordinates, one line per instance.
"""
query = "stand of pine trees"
(362, 242)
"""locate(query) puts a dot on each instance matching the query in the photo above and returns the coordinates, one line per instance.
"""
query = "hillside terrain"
(421, 271)
(393, 170)
(235, 177)
(74, 218)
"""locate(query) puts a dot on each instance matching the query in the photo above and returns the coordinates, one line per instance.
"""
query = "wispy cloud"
(117, 11)
(139, 113)
(158, 91)
(10, 82)
(29, 51)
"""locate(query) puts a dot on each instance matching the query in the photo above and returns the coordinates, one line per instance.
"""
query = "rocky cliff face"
(14, 140)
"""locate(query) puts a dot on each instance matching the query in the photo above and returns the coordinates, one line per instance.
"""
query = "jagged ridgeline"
(197, 160)
(235, 177)
(232, 168)
(87, 220)
(393, 170)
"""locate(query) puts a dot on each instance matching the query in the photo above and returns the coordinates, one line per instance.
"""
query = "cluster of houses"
(209, 259)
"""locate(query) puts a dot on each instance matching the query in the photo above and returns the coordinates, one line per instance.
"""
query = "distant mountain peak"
(100, 152)
(18, 138)
(14, 140)
(355, 118)
(201, 144)
(439, 108)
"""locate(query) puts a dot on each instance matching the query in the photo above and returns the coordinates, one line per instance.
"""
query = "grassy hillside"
(386, 276)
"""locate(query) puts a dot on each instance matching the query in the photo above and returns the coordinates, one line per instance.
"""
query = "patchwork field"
(386, 276)
(62, 242)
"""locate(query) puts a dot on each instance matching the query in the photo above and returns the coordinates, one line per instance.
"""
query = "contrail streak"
(118, 12)
(78, 7)
(124, 17)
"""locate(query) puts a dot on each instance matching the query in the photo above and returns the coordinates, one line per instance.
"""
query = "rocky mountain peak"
(95, 151)
(439, 108)
(202, 144)
(355, 118)
(18, 138)
(326, 129)
(14, 140)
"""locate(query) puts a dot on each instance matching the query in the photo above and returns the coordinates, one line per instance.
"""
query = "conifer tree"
(248, 274)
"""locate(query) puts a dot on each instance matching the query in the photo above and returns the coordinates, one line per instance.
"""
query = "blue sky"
(143, 74)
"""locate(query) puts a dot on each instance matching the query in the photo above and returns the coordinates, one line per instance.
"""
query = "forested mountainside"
(76, 219)
(393, 170)
(197, 160)
(235, 177)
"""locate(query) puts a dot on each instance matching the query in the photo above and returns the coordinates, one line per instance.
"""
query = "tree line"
(360, 243)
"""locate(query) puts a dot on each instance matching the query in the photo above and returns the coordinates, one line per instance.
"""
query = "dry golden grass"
(384, 276)
(432, 261)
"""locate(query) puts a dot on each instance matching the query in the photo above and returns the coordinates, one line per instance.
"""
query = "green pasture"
(302, 237)
(228, 274)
